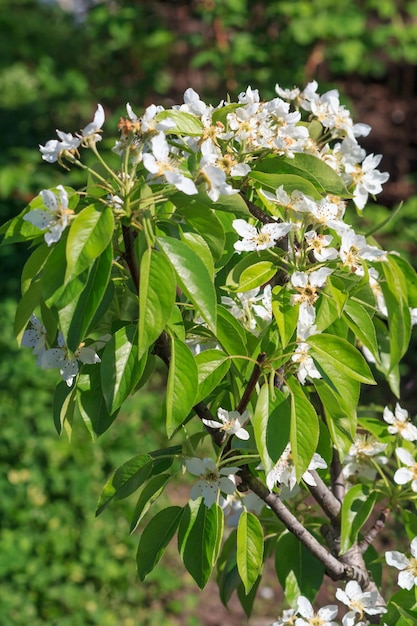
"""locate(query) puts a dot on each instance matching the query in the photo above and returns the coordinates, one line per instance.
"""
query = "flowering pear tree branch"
(272, 315)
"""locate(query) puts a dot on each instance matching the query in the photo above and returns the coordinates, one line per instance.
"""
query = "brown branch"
(334, 568)
(337, 478)
(370, 536)
(129, 255)
(324, 497)
(257, 212)
(250, 387)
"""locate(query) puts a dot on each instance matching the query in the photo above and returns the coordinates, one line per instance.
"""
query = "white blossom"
(319, 245)
(323, 617)
(159, 163)
(55, 217)
(406, 474)
(358, 601)
(399, 423)
(231, 422)
(407, 578)
(254, 239)
(91, 132)
(283, 471)
(212, 480)
(35, 337)
(68, 365)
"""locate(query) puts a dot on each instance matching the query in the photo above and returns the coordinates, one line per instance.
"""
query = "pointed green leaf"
(199, 537)
(156, 297)
(185, 123)
(285, 314)
(125, 480)
(212, 366)
(333, 353)
(341, 425)
(89, 235)
(182, 385)
(151, 491)
(290, 182)
(34, 265)
(120, 368)
(256, 275)
(357, 506)
(250, 549)
(203, 220)
(304, 434)
(76, 317)
(198, 244)
(230, 333)
(91, 403)
(298, 571)
(63, 405)
(155, 538)
(361, 324)
(193, 277)
(271, 424)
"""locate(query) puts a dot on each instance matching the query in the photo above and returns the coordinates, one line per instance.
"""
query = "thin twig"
(324, 497)
(370, 536)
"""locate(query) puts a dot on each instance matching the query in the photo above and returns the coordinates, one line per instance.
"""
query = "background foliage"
(58, 562)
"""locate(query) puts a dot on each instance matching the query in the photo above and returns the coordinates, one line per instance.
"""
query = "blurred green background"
(58, 58)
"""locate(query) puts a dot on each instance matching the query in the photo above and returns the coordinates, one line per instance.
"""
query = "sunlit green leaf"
(199, 535)
(156, 297)
(250, 548)
(155, 538)
(182, 385)
(89, 235)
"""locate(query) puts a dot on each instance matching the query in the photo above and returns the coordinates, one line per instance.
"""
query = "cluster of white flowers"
(352, 596)
(225, 142)
(59, 357)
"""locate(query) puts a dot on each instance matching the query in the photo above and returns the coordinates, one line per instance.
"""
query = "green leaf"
(125, 480)
(305, 430)
(89, 235)
(228, 578)
(285, 314)
(250, 549)
(203, 221)
(290, 182)
(316, 170)
(151, 491)
(198, 244)
(182, 385)
(212, 366)
(256, 275)
(298, 571)
(75, 318)
(120, 368)
(185, 123)
(361, 324)
(91, 402)
(155, 538)
(333, 353)
(34, 265)
(199, 536)
(156, 297)
(271, 424)
(234, 276)
(341, 424)
(55, 292)
(193, 277)
(233, 203)
(230, 333)
(63, 405)
(357, 506)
